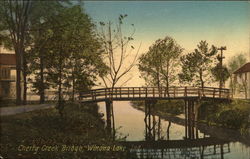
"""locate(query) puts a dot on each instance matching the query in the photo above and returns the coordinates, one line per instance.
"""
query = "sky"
(220, 23)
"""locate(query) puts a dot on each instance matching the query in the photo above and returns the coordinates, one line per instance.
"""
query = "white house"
(242, 76)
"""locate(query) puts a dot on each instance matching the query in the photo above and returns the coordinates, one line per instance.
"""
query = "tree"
(220, 74)
(18, 18)
(41, 23)
(117, 49)
(73, 53)
(14, 17)
(158, 66)
(235, 63)
(196, 66)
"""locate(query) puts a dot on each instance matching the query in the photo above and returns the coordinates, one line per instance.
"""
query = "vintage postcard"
(124, 79)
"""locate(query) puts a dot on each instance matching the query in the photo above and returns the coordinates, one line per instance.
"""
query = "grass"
(242, 104)
(81, 126)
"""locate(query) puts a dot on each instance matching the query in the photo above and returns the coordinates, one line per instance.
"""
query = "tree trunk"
(202, 83)
(60, 96)
(167, 79)
(73, 86)
(112, 114)
(168, 129)
(231, 85)
(41, 91)
(158, 82)
(60, 104)
(159, 128)
(24, 79)
(18, 76)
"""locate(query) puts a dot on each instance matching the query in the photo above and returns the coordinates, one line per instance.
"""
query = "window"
(5, 73)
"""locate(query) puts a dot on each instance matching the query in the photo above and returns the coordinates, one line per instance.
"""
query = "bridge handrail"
(154, 92)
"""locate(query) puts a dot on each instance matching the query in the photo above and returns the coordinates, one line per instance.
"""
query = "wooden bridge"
(191, 95)
(156, 93)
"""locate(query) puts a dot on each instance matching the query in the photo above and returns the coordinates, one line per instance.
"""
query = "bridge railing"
(120, 93)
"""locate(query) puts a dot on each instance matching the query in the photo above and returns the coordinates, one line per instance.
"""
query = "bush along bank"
(234, 115)
(44, 134)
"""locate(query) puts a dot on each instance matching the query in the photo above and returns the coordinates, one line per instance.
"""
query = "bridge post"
(108, 115)
(186, 115)
(190, 118)
(150, 121)
(197, 105)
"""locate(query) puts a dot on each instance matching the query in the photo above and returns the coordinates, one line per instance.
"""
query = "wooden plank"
(140, 92)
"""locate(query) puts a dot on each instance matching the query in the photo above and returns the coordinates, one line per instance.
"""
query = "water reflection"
(149, 136)
(202, 152)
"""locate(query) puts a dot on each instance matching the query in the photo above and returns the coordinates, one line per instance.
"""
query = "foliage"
(231, 115)
(158, 66)
(174, 107)
(196, 65)
(73, 52)
(235, 63)
(65, 51)
(14, 23)
(233, 118)
(220, 73)
(81, 126)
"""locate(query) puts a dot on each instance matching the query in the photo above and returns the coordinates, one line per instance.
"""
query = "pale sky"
(223, 23)
(220, 23)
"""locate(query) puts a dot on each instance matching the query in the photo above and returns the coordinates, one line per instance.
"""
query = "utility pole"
(220, 58)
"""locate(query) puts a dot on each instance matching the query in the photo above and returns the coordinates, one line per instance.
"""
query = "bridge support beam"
(191, 116)
(109, 106)
(150, 121)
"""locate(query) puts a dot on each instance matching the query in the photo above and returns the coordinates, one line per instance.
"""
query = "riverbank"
(205, 126)
(234, 115)
(44, 134)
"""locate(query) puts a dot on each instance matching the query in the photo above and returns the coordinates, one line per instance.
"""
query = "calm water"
(130, 122)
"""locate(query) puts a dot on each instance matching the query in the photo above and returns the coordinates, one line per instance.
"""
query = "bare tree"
(117, 50)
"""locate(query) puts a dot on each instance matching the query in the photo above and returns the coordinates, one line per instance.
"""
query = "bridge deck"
(142, 93)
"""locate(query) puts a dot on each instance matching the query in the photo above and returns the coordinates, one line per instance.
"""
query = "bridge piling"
(108, 103)
(191, 112)
(150, 121)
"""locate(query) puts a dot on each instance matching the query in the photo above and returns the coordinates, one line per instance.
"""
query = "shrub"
(233, 118)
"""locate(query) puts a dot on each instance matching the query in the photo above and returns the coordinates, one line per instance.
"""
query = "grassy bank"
(234, 115)
(44, 134)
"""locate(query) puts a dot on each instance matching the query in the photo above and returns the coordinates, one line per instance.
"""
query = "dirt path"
(4, 111)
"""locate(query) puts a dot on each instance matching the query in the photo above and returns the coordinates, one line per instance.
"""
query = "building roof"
(243, 69)
(7, 59)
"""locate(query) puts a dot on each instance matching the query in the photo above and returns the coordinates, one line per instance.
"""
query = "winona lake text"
(69, 148)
